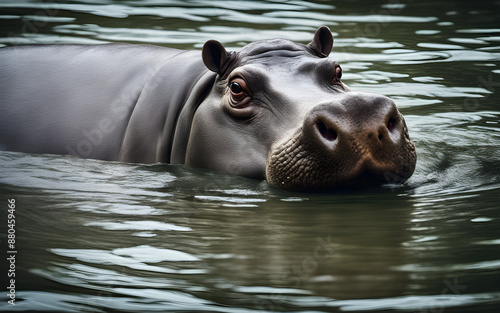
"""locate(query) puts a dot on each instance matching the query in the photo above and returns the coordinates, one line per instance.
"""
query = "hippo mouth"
(327, 162)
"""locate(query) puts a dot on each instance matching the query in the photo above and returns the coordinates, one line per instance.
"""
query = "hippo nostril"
(391, 124)
(327, 133)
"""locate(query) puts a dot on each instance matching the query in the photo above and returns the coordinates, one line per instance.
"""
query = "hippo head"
(279, 111)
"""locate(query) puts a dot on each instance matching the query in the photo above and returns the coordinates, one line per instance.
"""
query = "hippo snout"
(359, 139)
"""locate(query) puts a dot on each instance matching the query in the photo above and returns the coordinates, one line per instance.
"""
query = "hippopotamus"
(275, 110)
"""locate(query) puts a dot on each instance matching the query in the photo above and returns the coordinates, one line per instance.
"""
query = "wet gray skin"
(276, 110)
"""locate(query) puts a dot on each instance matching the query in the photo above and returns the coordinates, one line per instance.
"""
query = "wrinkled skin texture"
(275, 110)
(364, 152)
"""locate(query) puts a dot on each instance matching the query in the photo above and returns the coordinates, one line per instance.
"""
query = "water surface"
(96, 236)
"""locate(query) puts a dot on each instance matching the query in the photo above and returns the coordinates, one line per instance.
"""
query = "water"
(94, 236)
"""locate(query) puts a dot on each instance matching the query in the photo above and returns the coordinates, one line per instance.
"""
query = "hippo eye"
(236, 88)
(240, 97)
(338, 75)
(239, 91)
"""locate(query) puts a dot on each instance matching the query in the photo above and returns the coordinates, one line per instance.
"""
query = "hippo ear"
(323, 42)
(215, 56)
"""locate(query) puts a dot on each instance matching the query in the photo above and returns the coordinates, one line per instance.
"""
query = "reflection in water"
(99, 236)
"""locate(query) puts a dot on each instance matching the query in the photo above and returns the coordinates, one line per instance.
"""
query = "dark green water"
(95, 236)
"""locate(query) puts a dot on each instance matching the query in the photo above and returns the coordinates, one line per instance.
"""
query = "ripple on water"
(138, 225)
(136, 258)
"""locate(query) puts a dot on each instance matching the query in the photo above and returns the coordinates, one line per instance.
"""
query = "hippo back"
(73, 99)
